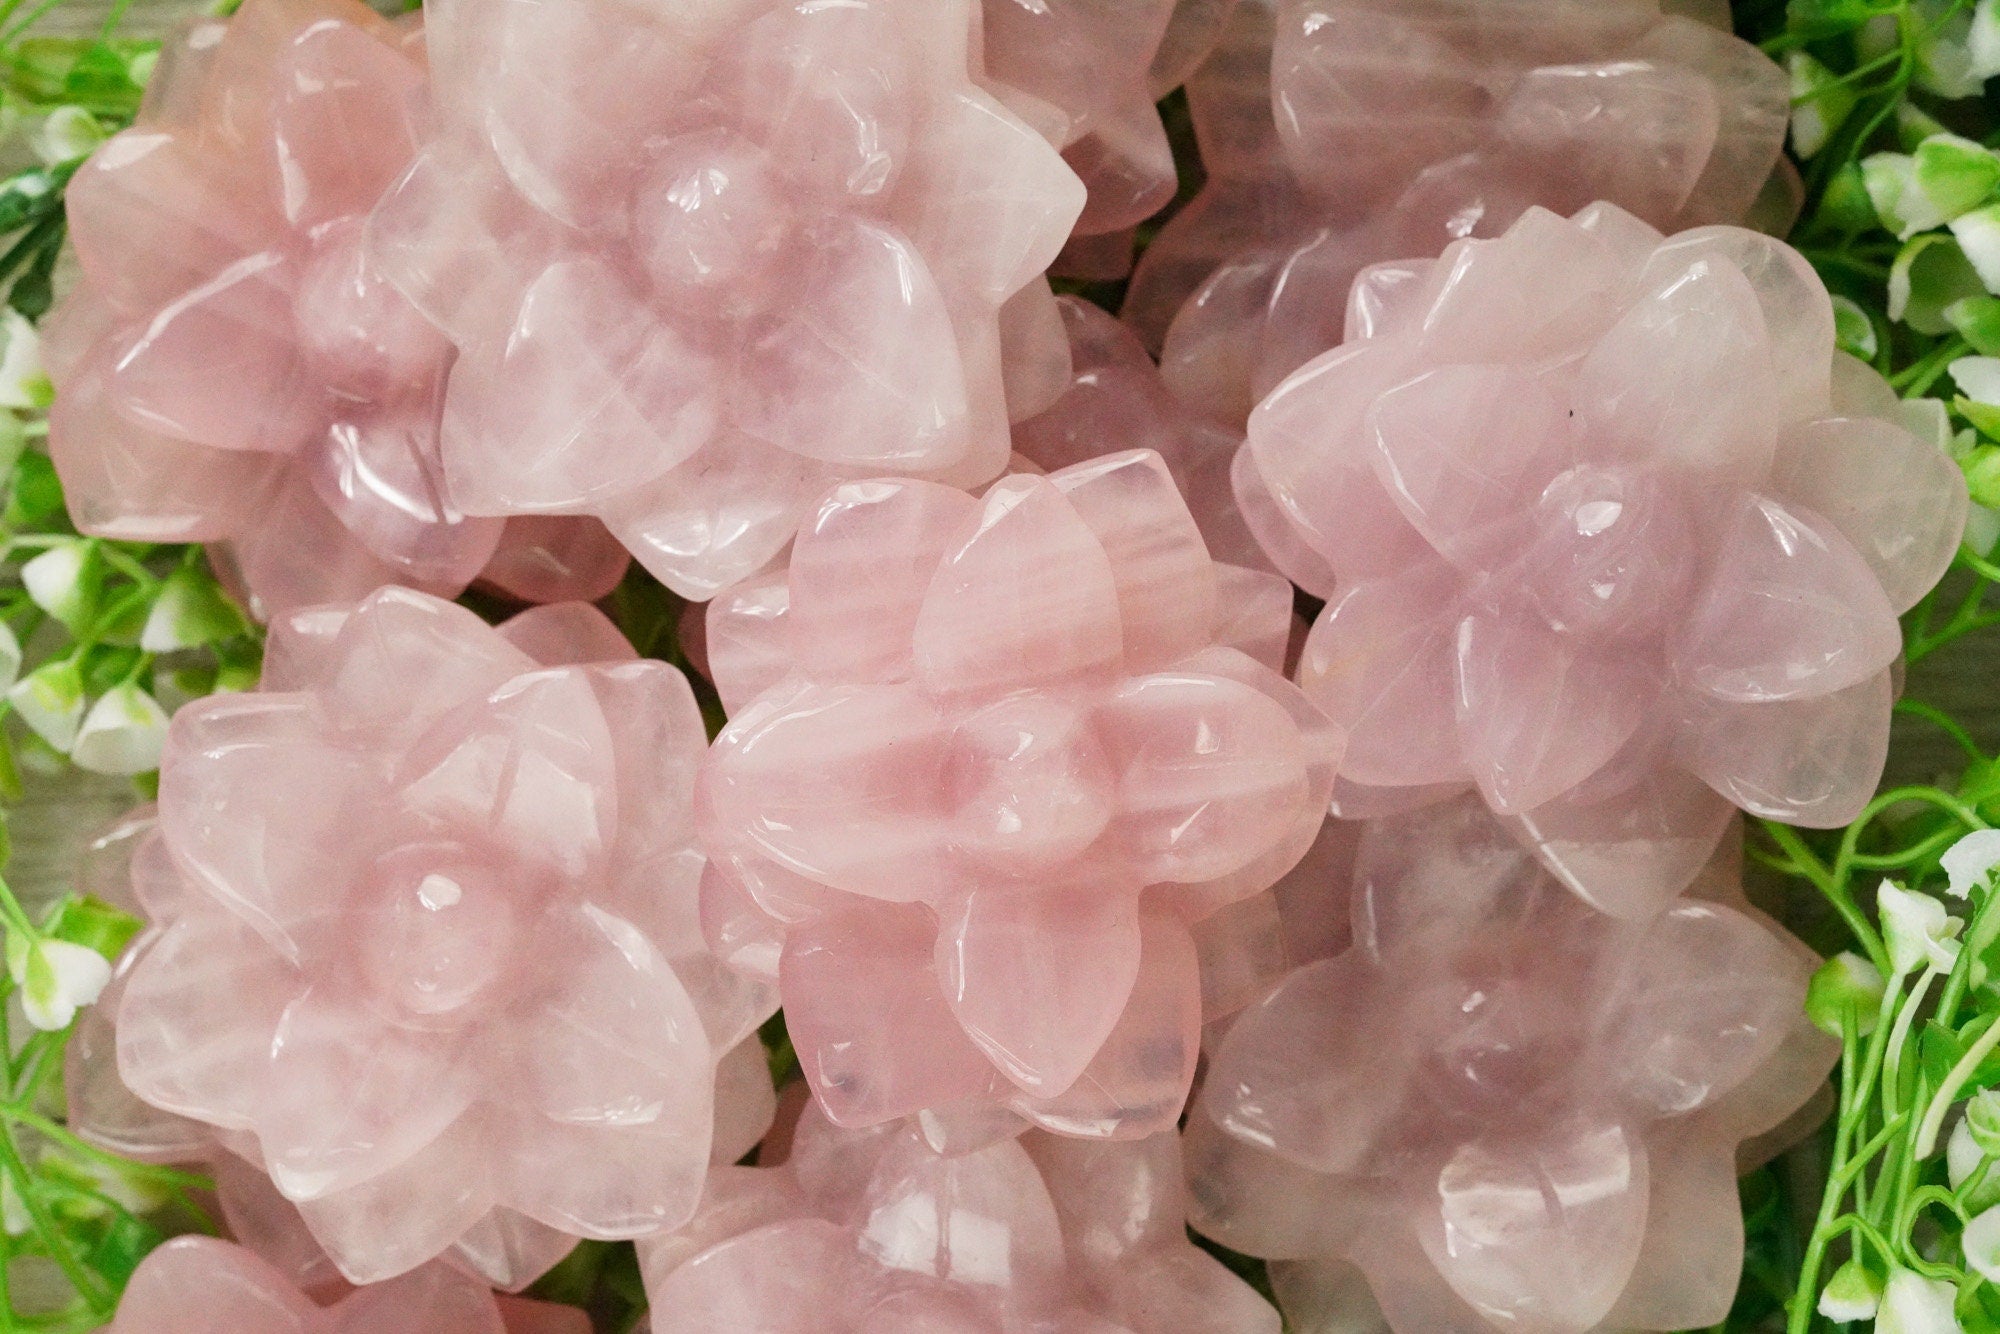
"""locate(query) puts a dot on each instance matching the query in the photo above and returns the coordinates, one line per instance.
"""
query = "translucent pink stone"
(1337, 134)
(1605, 547)
(231, 368)
(987, 760)
(197, 1285)
(867, 1230)
(794, 260)
(1097, 65)
(1510, 1111)
(432, 953)
(1115, 400)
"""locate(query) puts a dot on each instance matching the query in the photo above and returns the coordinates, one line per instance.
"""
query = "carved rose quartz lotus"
(874, 1232)
(230, 369)
(425, 940)
(986, 761)
(1609, 535)
(1510, 1111)
(795, 260)
(1338, 133)
(197, 1285)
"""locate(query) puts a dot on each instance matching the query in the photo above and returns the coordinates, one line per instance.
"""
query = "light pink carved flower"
(1509, 1110)
(986, 760)
(1339, 133)
(874, 1230)
(690, 311)
(1616, 541)
(424, 937)
(195, 1284)
(230, 368)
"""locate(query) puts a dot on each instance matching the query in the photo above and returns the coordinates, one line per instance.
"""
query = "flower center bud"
(1611, 556)
(706, 212)
(439, 931)
(1030, 784)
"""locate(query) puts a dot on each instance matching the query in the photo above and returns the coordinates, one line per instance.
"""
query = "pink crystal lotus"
(1116, 401)
(1614, 542)
(197, 1285)
(986, 761)
(425, 931)
(1511, 1112)
(1338, 133)
(872, 1231)
(128, 866)
(230, 368)
(689, 312)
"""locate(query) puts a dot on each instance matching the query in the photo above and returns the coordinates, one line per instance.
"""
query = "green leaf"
(1957, 174)
(34, 291)
(94, 924)
(191, 611)
(1938, 1050)
(1853, 331)
(36, 496)
(1984, 416)
(1982, 471)
(1929, 274)
(1828, 18)
(125, 1241)
(1975, 318)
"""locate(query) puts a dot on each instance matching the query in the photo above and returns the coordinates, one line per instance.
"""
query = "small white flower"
(1917, 929)
(1819, 102)
(1969, 861)
(1978, 234)
(50, 701)
(1851, 1294)
(1891, 182)
(1978, 378)
(57, 979)
(66, 134)
(190, 611)
(1981, 1241)
(123, 733)
(1913, 1304)
(1982, 42)
(57, 581)
(24, 384)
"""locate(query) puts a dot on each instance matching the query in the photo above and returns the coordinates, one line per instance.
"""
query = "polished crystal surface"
(987, 759)
(425, 941)
(1341, 133)
(197, 1285)
(1610, 535)
(795, 260)
(867, 1231)
(230, 366)
(1510, 1111)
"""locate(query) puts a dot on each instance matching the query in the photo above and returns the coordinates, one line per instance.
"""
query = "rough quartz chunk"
(875, 1230)
(425, 940)
(1337, 134)
(987, 760)
(1582, 495)
(1509, 1111)
(231, 367)
(197, 1285)
(793, 260)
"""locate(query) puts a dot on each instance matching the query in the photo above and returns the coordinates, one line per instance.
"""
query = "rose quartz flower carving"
(1614, 541)
(425, 939)
(197, 1285)
(1116, 401)
(794, 259)
(986, 761)
(1511, 1112)
(1339, 133)
(872, 1231)
(230, 367)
